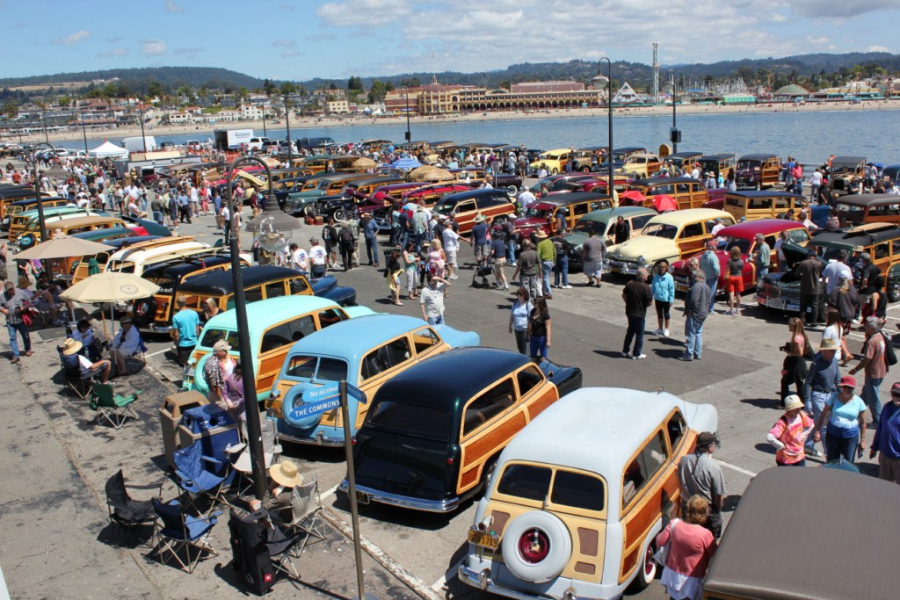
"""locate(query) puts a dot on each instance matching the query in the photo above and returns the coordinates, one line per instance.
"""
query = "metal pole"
(609, 100)
(83, 132)
(264, 124)
(408, 133)
(143, 137)
(287, 118)
(254, 429)
(351, 491)
(674, 102)
(44, 125)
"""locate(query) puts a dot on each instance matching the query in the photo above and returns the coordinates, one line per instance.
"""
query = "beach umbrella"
(406, 163)
(429, 173)
(111, 287)
(364, 163)
(664, 203)
(633, 195)
(62, 247)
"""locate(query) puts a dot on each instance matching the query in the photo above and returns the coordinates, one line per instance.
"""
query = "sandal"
(397, 303)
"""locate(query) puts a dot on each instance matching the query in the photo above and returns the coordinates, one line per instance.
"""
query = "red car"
(743, 235)
(545, 213)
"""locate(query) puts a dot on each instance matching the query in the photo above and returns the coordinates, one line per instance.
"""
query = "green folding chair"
(110, 406)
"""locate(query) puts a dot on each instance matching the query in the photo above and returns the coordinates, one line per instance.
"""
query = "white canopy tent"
(108, 149)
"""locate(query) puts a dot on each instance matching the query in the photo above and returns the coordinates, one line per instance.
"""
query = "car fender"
(344, 296)
(456, 338)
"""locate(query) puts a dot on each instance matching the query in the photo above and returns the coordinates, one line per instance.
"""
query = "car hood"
(650, 247)
(523, 222)
(575, 239)
(456, 338)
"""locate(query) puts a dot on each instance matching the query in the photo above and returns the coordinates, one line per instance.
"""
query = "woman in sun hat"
(219, 366)
(285, 477)
(845, 413)
(789, 433)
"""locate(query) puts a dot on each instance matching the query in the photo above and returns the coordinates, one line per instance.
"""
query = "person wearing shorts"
(593, 251)
(734, 283)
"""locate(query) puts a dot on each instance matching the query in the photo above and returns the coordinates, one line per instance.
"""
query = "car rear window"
(525, 481)
(418, 420)
(316, 368)
(211, 336)
(578, 491)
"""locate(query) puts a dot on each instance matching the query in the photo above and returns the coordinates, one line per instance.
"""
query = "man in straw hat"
(125, 344)
(71, 348)
(285, 477)
(790, 432)
(822, 381)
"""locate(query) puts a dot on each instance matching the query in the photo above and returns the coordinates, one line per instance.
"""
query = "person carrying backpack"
(330, 237)
(345, 240)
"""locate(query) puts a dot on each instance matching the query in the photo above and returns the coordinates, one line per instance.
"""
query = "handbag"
(662, 554)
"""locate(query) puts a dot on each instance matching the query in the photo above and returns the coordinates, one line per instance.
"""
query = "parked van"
(758, 171)
(685, 191)
(856, 209)
(762, 204)
(19, 206)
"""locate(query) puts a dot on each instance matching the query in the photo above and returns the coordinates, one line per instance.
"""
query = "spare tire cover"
(199, 377)
(293, 398)
(536, 547)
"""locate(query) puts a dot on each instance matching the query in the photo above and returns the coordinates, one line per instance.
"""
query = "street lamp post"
(675, 136)
(143, 137)
(287, 119)
(408, 132)
(37, 187)
(277, 221)
(83, 131)
(609, 103)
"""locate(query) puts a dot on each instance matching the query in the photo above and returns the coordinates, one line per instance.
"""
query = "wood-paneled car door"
(378, 366)
(427, 343)
(489, 421)
(535, 392)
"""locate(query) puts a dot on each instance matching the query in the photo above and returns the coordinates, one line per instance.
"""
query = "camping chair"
(271, 454)
(262, 550)
(80, 383)
(112, 407)
(200, 475)
(306, 511)
(180, 530)
(127, 514)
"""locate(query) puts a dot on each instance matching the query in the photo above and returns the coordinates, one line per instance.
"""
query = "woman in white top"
(834, 331)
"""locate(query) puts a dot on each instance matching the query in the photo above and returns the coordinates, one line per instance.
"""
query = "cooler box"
(170, 415)
(212, 426)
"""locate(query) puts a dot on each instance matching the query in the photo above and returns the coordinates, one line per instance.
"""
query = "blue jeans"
(372, 250)
(158, 217)
(13, 340)
(712, 292)
(635, 331)
(835, 447)
(872, 398)
(546, 268)
(693, 337)
(538, 347)
(511, 252)
(815, 404)
(561, 271)
(439, 320)
(760, 273)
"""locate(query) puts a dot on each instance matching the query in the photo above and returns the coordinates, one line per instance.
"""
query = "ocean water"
(809, 136)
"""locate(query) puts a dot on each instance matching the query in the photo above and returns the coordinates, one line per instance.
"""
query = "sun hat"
(848, 381)
(540, 234)
(286, 474)
(479, 218)
(71, 346)
(221, 345)
(9, 284)
(828, 344)
(793, 402)
(705, 440)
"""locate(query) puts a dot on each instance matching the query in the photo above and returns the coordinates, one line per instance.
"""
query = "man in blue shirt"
(479, 240)
(887, 439)
(370, 231)
(185, 329)
(822, 381)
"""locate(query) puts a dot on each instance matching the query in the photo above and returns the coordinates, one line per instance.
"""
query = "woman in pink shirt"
(691, 546)
(789, 434)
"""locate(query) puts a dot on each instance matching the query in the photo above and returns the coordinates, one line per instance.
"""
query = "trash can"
(170, 416)
(212, 426)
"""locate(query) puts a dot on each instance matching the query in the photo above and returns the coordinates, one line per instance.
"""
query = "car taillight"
(450, 460)
(353, 441)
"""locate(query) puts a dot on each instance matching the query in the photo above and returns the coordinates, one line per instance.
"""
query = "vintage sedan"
(274, 325)
(601, 222)
(545, 213)
(669, 236)
(451, 415)
(743, 235)
(846, 174)
(757, 171)
(364, 352)
(465, 207)
(578, 497)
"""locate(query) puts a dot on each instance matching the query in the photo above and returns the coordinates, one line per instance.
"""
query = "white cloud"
(368, 13)
(289, 53)
(75, 38)
(187, 52)
(777, 18)
(153, 47)
(840, 10)
(817, 40)
(172, 7)
(113, 53)
(284, 43)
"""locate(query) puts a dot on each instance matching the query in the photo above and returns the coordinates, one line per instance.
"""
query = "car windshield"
(748, 165)
(416, 420)
(660, 230)
(540, 213)
(122, 266)
(741, 243)
(598, 227)
(445, 207)
(316, 368)
(211, 336)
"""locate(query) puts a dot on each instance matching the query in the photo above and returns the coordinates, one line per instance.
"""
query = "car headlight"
(641, 260)
(671, 268)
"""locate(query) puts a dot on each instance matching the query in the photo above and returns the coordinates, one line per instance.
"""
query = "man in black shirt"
(809, 271)
(637, 296)
(622, 230)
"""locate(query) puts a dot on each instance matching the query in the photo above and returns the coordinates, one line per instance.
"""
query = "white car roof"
(677, 217)
(596, 429)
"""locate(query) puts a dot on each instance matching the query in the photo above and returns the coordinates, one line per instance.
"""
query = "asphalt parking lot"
(739, 375)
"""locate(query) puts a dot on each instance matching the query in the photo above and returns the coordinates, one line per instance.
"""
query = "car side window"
(798, 236)
(253, 294)
(385, 357)
(302, 327)
(527, 379)
(489, 405)
(643, 468)
(467, 206)
(424, 339)
(675, 428)
(330, 317)
(895, 246)
(298, 286)
(882, 250)
(274, 290)
(692, 230)
(275, 338)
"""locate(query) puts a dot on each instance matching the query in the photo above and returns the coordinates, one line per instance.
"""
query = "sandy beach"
(205, 131)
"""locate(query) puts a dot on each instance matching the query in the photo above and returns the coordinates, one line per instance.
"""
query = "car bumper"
(159, 328)
(434, 506)
(320, 439)
(782, 303)
(621, 267)
(484, 581)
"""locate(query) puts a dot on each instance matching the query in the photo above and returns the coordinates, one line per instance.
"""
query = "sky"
(303, 39)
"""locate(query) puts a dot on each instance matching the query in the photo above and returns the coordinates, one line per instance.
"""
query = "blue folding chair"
(202, 476)
(178, 530)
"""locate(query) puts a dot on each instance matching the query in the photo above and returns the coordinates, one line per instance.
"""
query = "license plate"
(484, 539)
(680, 287)
(615, 270)
(776, 303)
(362, 497)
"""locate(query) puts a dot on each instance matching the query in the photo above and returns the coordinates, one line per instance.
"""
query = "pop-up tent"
(108, 149)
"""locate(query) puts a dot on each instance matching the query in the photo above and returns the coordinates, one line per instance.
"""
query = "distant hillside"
(138, 79)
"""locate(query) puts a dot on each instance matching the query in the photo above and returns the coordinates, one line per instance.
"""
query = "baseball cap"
(850, 381)
(895, 389)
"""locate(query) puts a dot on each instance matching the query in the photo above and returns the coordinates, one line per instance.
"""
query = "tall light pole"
(83, 131)
(675, 135)
(408, 133)
(609, 100)
(37, 199)
(143, 137)
(271, 221)
(287, 118)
